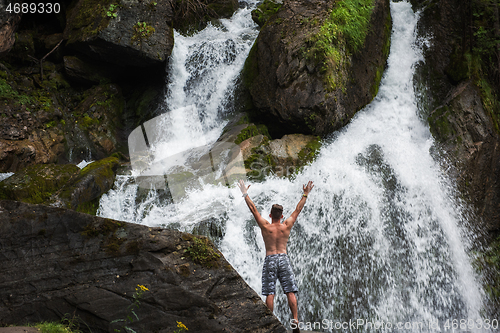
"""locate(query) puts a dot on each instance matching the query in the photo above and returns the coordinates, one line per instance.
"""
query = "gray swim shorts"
(277, 266)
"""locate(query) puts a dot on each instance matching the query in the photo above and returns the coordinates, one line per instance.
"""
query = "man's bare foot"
(295, 324)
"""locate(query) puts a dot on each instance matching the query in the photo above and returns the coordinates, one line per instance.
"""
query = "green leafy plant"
(112, 10)
(142, 30)
(131, 316)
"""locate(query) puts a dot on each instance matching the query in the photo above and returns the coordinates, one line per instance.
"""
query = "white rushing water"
(379, 238)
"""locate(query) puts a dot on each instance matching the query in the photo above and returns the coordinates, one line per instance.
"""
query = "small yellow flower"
(143, 288)
(181, 325)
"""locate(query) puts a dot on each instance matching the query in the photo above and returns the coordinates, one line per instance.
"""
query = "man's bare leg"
(292, 303)
(270, 302)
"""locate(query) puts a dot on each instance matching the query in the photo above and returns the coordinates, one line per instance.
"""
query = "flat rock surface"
(56, 261)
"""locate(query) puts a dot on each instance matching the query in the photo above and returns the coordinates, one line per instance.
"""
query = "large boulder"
(262, 156)
(306, 77)
(129, 33)
(62, 185)
(56, 262)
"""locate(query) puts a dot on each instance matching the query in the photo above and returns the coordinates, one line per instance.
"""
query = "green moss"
(142, 30)
(251, 67)
(387, 46)
(264, 11)
(202, 252)
(88, 18)
(89, 207)
(108, 162)
(37, 183)
(8, 93)
(343, 33)
(250, 160)
(310, 151)
(251, 131)
(86, 121)
(487, 262)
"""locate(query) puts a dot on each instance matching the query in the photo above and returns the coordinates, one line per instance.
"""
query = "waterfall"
(380, 237)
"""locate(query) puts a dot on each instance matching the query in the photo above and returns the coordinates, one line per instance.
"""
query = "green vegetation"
(487, 263)
(311, 150)
(251, 131)
(342, 34)
(142, 30)
(264, 11)
(201, 252)
(112, 10)
(88, 18)
(387, 47)
(251, 67)
(479, 57)
(7, 93)
(131, 316)
(52, 327)
(37, 183)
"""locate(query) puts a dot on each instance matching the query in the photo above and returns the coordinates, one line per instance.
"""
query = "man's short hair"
(276, 211)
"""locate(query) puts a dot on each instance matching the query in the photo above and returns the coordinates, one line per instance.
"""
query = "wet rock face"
(8, 26)
(457, 118)
(56, 261)
(289, 86)
(467, 133)
(133, 33)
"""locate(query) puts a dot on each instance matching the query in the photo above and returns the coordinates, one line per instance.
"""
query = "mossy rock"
(250, 131)
(309, 153)
(440, 125)
(211, 229)
(487, 263)
(37, 183)
(202, 252)
(83, 193)
(264, 11)
(87, 19)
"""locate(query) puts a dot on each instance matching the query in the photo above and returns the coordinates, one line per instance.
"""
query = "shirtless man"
(277, 264)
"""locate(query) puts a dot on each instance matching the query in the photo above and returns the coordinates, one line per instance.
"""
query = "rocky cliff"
(459, 113)
(313, 66)
(459, 93)
(56, 262)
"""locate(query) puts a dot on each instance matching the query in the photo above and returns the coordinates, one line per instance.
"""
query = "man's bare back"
(275, 236)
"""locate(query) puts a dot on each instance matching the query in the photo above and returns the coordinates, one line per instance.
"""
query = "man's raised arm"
(291, 220)
(244, 190)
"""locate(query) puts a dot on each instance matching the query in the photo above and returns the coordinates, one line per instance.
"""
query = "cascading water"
(379, 237)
